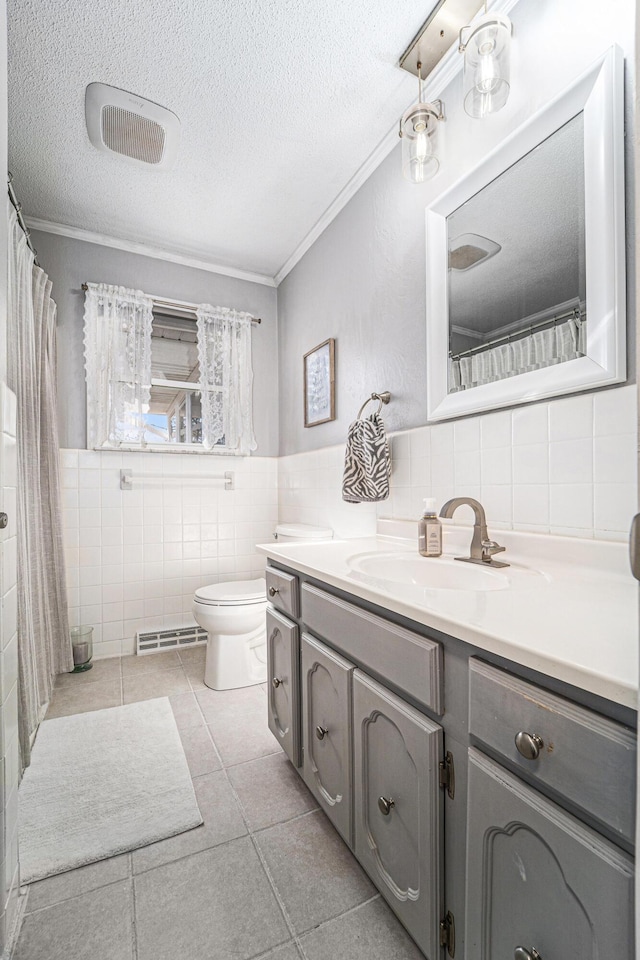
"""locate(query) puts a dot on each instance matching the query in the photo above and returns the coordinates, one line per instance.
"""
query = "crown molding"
(439, 78)
(157, 253)
(448, 67)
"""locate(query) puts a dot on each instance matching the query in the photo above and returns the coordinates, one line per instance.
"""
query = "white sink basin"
(437, 573)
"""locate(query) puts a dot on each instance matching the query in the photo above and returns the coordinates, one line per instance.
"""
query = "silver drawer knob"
(273, 591)
(523, 954)
(385, 805)
(321, 732)
(276, 682)
(528, 745)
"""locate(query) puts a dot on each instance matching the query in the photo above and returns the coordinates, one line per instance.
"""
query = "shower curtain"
(556, 344)
(44, 645)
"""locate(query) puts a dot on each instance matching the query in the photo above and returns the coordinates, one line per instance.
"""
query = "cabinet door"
(326, 731)
(398, 807)
(283, 677)
(538, 879)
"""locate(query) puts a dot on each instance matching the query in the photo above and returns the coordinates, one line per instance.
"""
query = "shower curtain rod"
(18, 208)
(577, 314)
(185, 306)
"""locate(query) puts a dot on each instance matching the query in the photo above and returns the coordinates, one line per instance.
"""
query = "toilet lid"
(234, 592)
(303, 531)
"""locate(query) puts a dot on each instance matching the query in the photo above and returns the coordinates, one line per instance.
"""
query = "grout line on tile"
(340, 916)
(77, 896)
(21, 913)
(265, 954)
(134, 917)
(298, 816)
(274, 888)
(239, 763)
(187, 856)
(254, 843)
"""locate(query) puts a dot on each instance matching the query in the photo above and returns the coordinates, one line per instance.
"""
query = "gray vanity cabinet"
(398, 806)
(391, 744)
(563, 746)
(283, 677)
(326, 731)
(538, 879)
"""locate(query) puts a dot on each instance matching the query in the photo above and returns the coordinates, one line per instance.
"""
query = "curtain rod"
(18, 208)
(519, 334)
(184, 305)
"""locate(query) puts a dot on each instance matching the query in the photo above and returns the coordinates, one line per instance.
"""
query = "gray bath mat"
(103, 783)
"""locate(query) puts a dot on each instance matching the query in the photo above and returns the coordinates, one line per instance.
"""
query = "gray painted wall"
(363, 281)
(70, 263)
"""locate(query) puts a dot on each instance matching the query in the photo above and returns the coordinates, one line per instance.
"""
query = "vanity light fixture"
(419, 134)
(486, 49)
(485, 42)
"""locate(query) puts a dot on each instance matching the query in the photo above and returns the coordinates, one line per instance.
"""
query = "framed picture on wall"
(320, 384)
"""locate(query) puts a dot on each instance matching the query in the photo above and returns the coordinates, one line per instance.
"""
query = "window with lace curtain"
(175, 407)
(166, 381)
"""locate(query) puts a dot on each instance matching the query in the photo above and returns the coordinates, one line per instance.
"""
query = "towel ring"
(381, 397)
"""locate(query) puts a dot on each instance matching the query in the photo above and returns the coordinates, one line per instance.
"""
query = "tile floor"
(266, 876)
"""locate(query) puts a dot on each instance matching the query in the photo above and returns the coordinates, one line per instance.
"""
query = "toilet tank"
(286, 532)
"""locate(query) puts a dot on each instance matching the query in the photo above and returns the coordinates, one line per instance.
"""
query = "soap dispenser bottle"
(430, 530)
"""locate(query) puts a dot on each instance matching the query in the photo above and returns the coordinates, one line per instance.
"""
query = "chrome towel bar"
(127, 478)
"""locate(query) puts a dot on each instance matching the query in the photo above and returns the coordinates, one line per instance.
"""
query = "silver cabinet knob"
(385, 805)
(523, 954)
(528, 745)
(321, 732)
(276, 682)
(273, 591)
(4, 520)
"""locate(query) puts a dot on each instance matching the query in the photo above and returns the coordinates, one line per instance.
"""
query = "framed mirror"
(526, 259)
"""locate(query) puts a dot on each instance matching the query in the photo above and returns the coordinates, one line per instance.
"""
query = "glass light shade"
(487, 50)
(419, 131)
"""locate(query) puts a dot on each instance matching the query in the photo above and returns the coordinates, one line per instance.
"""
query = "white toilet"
(233, 614)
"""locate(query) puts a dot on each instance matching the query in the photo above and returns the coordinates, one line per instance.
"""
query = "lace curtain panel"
(44, 645)
(543, 348)
(226, 378)
(117, 341)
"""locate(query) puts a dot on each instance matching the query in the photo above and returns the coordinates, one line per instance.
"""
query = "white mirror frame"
(599, 93)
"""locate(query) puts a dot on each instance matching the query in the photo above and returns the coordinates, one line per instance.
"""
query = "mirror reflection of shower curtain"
(44, 645)
(543, 348)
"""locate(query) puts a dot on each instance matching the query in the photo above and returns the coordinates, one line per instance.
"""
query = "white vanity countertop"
(575, 619)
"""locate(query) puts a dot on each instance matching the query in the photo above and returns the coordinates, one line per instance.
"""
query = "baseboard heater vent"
(154, 641)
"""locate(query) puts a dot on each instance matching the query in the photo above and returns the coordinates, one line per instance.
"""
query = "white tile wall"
(9, 753)
(310, 491)
(565, 467)
(135, 557)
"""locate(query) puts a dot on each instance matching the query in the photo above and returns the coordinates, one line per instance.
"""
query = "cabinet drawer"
(326, 731)
(406, 660)
(283, 591)
(283, 677)
(582, 756)
(538, 878)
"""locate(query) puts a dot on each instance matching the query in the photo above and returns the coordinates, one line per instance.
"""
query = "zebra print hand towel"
(367, 462)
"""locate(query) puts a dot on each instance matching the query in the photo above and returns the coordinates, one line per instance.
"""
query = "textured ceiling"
(280, 102)
(536, 212)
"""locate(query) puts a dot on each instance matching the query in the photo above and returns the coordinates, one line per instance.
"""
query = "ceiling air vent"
(120, 122)
(469, 249)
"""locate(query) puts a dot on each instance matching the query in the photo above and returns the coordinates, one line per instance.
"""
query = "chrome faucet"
(482, 548)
